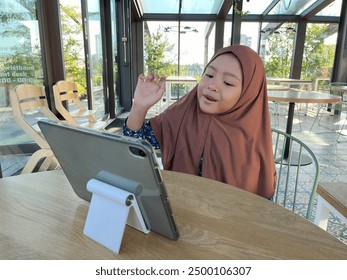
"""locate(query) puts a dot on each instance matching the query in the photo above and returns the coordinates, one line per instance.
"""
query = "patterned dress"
(145, 132)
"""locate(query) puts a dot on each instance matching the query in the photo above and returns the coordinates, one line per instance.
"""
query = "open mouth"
(210, 98)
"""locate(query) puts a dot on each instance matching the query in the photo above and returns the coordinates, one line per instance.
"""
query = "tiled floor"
(331, 155)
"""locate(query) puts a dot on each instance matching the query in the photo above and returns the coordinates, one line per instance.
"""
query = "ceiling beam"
(225, 8)
(270, 7)
(315, 8)
(136, 10)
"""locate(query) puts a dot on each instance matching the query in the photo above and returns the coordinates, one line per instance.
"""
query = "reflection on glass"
(96, 57)
(291, 7)
(334, 9)
(20, 61)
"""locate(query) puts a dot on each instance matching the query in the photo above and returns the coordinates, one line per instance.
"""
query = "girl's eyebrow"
(225, 73)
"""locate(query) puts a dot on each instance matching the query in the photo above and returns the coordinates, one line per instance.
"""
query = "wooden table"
(294, 96)
(42, 218)
(331, 197)
(277, 87)
(289, 82)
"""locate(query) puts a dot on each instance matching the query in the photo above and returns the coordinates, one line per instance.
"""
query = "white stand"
(110, 209)
(322, 213)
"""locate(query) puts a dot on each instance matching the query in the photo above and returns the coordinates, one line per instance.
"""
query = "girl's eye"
(209, 75)
(228, 84)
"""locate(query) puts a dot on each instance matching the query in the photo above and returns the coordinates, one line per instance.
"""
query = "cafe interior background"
(103, 45)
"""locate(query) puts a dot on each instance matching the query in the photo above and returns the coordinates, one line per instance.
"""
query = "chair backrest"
(339, 88)
(297, 173)
(67, 92)
(29, 104)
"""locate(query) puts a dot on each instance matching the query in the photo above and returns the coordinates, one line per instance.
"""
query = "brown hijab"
(236, 146)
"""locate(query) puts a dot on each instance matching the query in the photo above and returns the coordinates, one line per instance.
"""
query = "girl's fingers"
(155, 78)
(152, 78)
(141, 78)
(162, 79)
(149, 77)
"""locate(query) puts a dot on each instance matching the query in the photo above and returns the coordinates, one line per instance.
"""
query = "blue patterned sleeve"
(145, 132)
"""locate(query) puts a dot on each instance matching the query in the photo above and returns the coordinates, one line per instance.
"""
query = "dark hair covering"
(236, 145)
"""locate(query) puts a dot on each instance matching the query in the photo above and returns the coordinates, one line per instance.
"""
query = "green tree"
(71, 26)
(154, 55)
(279, 54)
(318, 57)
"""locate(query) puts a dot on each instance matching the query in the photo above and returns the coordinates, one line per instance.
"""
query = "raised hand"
(149, 90)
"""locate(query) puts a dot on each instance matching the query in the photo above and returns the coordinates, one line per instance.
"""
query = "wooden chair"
(28, 101)
(67, 92)
(297, 174)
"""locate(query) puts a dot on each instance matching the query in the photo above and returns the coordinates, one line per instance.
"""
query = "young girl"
(220, 130)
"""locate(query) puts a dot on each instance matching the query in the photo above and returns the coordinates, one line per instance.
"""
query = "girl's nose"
(212, 86)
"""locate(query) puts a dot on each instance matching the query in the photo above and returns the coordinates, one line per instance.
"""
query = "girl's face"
(221, 85)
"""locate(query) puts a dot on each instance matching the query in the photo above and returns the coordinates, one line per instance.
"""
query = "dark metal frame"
(307, 16)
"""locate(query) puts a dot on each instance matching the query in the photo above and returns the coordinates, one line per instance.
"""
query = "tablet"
(86, 154)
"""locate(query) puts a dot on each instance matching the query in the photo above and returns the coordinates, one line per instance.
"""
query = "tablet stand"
(111, 208)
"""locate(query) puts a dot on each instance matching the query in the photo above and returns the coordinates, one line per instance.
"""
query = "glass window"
(172, 52)
(334, 9)
(276, 49)
(169, 50)
(114, 55)
(72, 35)
(159, 6)
(95, 57)
(319, 52)
(75, 49)
(249, 30)
(250, 35)
(255, 7)
(160, 47)
(193, 54)
(201, 7)
(210, 39)
(78, 49)
(188, 6)
(227, 33)
(20, 62)
(291, 7)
